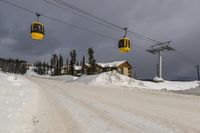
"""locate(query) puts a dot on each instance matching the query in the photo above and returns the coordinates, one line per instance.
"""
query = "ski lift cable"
(54, 4)
(90, 19)
(66, 4)
(188, 57)
(57, 20)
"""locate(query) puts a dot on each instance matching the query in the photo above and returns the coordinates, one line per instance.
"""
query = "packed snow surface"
(17, 103)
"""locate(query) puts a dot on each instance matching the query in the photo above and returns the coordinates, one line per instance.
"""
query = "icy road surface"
(77, 108)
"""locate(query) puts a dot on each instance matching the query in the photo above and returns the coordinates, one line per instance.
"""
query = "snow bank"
(110, 79)
(171, 85)
(18, 101)
(115, 79)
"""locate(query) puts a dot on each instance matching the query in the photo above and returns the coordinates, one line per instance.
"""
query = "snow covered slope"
(18, 100)
(66, 78)
(115, 79)
(30, 72)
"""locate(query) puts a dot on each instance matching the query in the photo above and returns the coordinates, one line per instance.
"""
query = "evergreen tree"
(60, 64)
(39, 68)
(83, 65)
(72, 61)
(44, 68)
(13, 66)
(54, 64)
(67, 64)
(23, 68)
(91, 61)
(77, 63)
(67, 61)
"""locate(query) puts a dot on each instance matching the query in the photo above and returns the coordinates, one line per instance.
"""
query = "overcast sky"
(163, 20)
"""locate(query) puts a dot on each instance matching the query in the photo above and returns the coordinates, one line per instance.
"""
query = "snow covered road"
(78, 108)
(18, 104)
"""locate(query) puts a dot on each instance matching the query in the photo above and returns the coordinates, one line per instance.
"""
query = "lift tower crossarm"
(158, 49)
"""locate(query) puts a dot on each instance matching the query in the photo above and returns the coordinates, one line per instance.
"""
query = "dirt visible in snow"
(194, 91)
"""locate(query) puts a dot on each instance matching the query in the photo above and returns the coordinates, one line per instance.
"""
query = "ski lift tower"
(158, 49)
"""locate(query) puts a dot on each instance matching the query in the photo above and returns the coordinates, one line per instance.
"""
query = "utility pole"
(198, 72)
(158, 49)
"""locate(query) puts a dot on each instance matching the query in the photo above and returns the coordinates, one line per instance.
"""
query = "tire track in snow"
(88, 119)
(124, 119)
(114, 118)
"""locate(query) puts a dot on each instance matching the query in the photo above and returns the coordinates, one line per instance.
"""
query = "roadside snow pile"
(171, 85)
(110, 79)
(18, 101)
(115, 79)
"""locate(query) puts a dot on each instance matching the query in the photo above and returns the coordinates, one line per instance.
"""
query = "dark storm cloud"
(162, 20)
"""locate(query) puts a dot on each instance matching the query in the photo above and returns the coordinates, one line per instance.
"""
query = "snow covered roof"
(77, 68)
(87, 64)
(108, 64)
(65, 66)
(111, 64)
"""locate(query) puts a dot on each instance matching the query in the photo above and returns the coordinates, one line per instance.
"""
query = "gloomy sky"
(163, 20)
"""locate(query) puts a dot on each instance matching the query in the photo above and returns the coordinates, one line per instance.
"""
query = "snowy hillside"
(66, 78)
(30, 72)
(17, 103)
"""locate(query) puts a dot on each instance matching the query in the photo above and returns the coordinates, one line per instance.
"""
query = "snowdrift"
(109, 79)
(115, 79)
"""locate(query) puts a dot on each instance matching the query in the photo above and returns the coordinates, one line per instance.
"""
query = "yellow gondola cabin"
(37, 29)
(124, 45)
